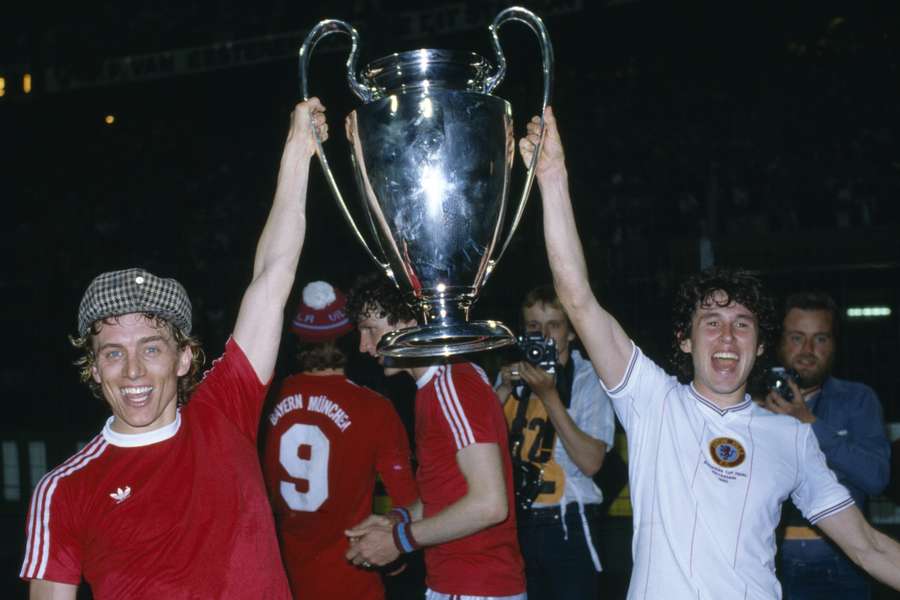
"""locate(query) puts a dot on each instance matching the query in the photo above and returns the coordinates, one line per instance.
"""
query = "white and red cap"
(321, 315)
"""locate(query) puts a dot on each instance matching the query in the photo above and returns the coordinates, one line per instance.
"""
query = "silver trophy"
(432, 149)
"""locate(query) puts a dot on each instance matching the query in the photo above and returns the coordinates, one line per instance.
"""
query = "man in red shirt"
(168, 500)
(326, 439)
(465, 520)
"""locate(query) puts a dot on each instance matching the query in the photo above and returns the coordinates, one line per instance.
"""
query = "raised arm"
(607, 344)
(258, 327)
(875, 552)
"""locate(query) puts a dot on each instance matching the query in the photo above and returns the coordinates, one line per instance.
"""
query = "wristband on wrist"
(404, 539)
(400, 513)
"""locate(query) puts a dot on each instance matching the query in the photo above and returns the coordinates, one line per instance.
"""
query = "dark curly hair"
(372, 291)
(738, 286)
(186, 383)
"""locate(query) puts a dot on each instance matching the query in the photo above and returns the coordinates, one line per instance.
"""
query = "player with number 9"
(326, 438)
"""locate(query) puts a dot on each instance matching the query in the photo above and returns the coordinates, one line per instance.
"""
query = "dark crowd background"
(764, 135)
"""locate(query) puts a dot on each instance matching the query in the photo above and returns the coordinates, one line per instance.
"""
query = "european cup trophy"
(432, 150)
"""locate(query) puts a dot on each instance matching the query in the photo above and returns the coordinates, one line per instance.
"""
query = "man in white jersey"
(708, 468)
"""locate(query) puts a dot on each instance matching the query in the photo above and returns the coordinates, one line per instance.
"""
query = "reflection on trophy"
(432, 150)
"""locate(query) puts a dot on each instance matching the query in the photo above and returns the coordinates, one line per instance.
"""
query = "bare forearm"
(564, 250)
(882, 560)
(282, 237)
(484, 503)
(466, 516)
(585, 451)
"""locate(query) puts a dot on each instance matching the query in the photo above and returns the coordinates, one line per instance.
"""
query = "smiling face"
(137, 365)
(724, 345)
(807, 345)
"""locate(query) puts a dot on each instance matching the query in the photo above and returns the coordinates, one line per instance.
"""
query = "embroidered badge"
(727, 452)
(121, 494)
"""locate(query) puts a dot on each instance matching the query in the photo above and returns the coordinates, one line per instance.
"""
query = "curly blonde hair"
(87, 360)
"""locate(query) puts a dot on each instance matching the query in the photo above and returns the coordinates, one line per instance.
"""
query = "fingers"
(369, 523)
(314, 104)
(776, 403)
(535, 377)
(354, 553)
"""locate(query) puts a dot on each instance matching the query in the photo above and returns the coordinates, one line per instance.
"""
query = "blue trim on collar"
(712, 405)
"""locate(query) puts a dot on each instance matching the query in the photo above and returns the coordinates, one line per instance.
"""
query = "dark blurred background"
(764, 135)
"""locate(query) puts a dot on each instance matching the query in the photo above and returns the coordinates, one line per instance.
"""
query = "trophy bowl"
(432, 151)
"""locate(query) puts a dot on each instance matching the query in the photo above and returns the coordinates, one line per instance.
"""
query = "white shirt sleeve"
(642, 388)
(818, 493)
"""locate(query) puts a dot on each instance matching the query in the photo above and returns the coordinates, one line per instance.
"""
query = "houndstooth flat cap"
(134, 291)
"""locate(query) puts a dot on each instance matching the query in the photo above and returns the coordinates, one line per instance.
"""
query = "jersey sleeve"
(818, 494)
(469, 407)
(52, 550)
(641, 390)
(232, 387)
(392, 460)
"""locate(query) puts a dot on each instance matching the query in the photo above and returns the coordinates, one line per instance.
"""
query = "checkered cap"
(134, 291)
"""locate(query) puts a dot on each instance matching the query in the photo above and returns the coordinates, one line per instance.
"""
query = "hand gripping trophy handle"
(516, 13)
(321, 30)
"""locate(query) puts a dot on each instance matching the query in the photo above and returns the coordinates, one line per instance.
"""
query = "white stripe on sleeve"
(37, 549)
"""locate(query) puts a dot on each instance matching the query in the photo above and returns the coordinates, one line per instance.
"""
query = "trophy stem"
(445, 331)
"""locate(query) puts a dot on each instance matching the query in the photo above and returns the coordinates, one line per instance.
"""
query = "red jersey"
(456, 407)
(326, 438)
(178, 512)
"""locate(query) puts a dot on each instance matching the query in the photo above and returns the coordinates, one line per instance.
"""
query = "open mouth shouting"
(725, 361)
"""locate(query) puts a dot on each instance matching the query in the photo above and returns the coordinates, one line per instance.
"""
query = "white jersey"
(707, 486)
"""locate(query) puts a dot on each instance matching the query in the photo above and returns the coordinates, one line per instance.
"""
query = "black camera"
(777, 380)
(538, 351)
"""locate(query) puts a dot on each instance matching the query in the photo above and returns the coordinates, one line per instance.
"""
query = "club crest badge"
(727, 452)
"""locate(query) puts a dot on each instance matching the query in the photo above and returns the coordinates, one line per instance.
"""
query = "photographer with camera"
(561, 426)
(846, 419)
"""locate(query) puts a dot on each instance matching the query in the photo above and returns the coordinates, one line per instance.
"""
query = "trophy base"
(445, 340)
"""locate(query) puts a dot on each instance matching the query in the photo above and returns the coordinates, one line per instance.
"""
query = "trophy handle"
(321, 30)
(517, 13)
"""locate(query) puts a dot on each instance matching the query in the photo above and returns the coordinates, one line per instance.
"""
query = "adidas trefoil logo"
(121, 494)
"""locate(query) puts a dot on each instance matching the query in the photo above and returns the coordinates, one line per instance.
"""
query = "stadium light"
(868, 312)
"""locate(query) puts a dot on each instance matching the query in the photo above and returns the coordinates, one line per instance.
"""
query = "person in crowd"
(708, 467)
(846, 418)
(168, 500)
(465, 520)
(326, 439)
(562, 423)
